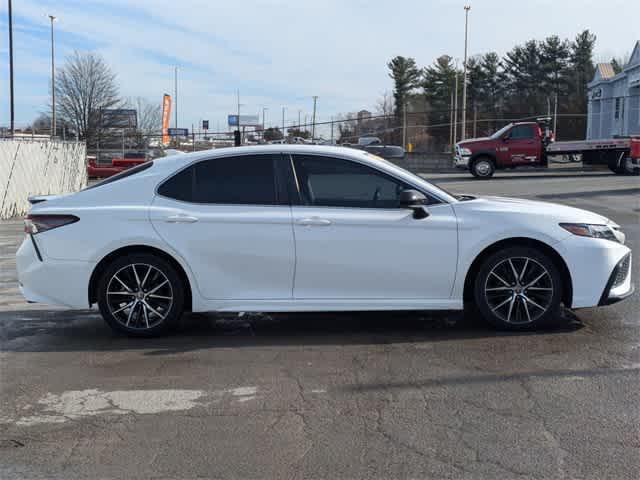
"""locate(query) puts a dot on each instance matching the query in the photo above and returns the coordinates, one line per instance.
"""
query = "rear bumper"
(54, 282)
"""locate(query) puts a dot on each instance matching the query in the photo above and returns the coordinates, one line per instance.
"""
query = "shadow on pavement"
(44, 331)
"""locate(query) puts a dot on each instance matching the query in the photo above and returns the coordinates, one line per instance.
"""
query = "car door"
(522, 144)
(230, 219)
(353, 241)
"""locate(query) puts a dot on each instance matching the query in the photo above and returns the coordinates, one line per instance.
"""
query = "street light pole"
(464, 74)
(11, 109)
(53, 83)
(175, 94)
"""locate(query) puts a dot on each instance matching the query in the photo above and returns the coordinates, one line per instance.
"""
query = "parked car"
(310, 228)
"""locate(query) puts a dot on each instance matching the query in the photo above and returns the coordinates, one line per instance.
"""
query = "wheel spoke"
(542, 289)
(133, 307)
(528, 300)
(146, 316)
(513, 300)
(153, 310)
(121, 293)
(502, 303)
(122, 283)
(145, 277)
(526, 309)
(163, 297)
(156, 288)
(524, 269)
(498, 289)
(135, 274)
(122, 308)
(513, 270)
(536, 280)
(499, 278)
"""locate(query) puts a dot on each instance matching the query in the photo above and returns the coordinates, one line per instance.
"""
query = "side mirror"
(414, 200)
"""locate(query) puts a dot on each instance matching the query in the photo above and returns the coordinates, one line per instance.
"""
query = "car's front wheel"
(518, 288)
(482, 167)
(141, 295)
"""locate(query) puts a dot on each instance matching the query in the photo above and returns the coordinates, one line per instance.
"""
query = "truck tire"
(482, 167)
(625, 167)
(628, 168)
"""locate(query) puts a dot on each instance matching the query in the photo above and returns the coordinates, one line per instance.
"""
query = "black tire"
(482, 167)
(628, 168)
(526, 308)
(151, 310)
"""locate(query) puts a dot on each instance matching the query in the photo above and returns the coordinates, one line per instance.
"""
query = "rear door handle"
(314, 222)
(181, 219)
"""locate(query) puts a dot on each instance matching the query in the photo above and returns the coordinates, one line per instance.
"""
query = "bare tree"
(84, 86)
(149, 114)
(384, 105)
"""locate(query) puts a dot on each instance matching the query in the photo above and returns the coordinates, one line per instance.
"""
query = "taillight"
(41, 223)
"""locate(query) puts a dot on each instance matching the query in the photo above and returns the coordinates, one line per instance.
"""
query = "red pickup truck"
(117, 165)
(531, 143)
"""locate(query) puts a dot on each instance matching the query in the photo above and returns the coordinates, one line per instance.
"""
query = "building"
(614, 100)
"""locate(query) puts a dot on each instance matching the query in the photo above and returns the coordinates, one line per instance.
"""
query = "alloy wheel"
(139, 296)
(519, 290)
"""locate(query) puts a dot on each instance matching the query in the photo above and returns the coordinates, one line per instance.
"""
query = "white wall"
(38, 167)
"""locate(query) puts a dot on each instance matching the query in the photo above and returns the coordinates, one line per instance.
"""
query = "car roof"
(171, 161)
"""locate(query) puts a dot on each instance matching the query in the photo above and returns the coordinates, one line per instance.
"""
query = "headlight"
(595, 231)
(465, 151)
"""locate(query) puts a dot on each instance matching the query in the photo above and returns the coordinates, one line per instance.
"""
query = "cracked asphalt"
(393, 395)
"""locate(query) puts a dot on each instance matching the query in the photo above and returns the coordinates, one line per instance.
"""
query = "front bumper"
(460, 161)
(592, 263)
(619, 286)
(54, 282)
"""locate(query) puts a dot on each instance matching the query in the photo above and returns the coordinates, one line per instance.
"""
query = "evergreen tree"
(405, 74)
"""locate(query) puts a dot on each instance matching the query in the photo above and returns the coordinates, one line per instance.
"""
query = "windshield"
(502, 131)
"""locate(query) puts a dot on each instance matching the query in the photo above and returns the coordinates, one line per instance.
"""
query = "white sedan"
(286, 228)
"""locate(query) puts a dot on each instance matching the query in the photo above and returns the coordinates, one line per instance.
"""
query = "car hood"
(523, 207)
(475, 142)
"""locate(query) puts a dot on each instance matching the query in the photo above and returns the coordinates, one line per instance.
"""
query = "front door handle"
(314, 222)
(181, 219)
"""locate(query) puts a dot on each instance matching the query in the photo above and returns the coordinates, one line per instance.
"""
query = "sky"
(277, 52)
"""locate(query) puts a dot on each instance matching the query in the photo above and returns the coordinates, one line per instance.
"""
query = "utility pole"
(464, 75)
(451, 122)
(313, 127)
(239, 131)
(475, 120)
(404, 126)
(283, 109)
(455, 110)
(11, 108)
(53, 83)
(264, 121)
(331, 130)
(555, 114)
(175, 95)
(299, 124)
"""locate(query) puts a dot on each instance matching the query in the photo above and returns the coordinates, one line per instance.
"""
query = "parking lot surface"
(362, 395)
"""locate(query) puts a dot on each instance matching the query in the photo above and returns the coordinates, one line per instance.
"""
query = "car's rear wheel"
(519, 288)
(141, 295)
(482, 167)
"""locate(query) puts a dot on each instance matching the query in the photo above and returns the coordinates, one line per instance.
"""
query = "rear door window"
(237, 180)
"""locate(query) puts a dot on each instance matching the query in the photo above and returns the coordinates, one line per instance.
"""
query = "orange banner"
(166, 112)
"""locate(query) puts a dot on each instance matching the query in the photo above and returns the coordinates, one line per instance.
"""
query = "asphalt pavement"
(384, 395)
